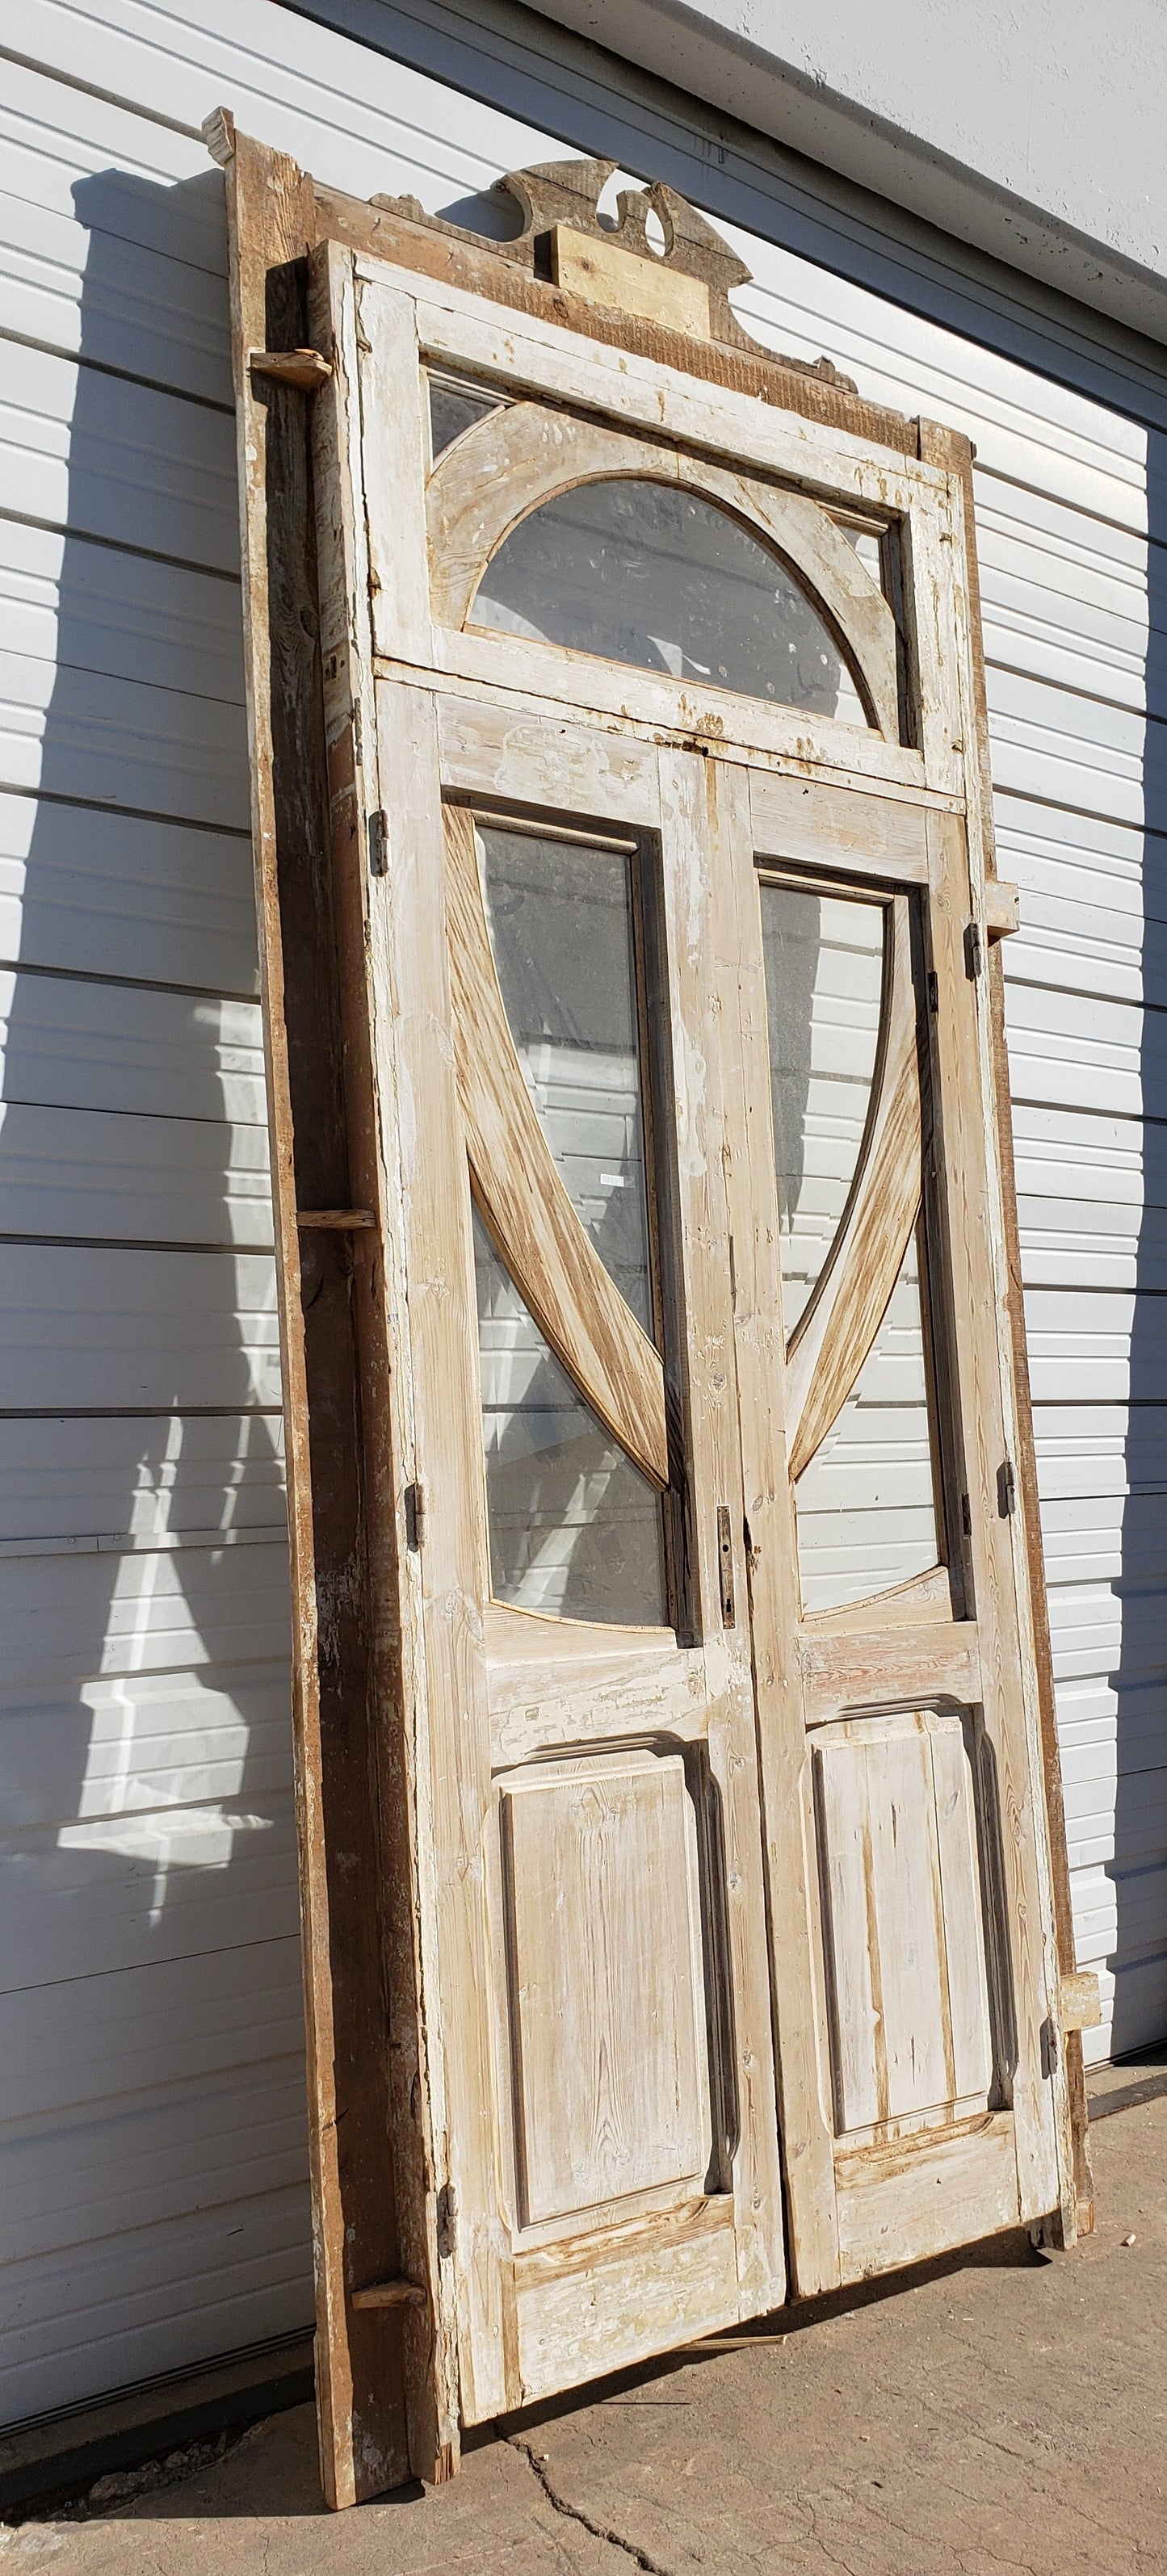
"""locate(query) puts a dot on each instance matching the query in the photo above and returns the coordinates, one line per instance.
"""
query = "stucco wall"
(1032, 128)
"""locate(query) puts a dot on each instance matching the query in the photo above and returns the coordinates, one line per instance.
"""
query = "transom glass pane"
(824, 988)
(453, 408)
(561, 928)
(644, 573)
(866, 1503)
(575, 1529)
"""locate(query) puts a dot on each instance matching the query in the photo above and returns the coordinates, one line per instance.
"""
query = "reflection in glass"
(642, 572)
(453, 408)
(824, 987)
(866, 1503)
(575, 1529)
(560, 917)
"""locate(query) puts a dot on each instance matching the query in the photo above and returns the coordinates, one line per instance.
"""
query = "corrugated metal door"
(149, 2025)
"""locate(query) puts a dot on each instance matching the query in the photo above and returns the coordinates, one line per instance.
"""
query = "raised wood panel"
(605, 1981)
(910, 2020)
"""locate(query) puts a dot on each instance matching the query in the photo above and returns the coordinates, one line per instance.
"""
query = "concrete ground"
(996, 2415)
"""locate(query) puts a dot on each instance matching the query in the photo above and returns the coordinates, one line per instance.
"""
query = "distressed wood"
(424, 2339)
(550, 1258)
(1002, 908)
(850, 1299)
(940, 445)
(487, 2232)
(359, 2379)
(1080, 2004)
(929, 2195)
(798, 819)
(305, 368)
(523, 455)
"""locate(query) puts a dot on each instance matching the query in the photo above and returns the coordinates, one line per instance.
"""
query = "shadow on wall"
(1140, 1867)
(149, 1884)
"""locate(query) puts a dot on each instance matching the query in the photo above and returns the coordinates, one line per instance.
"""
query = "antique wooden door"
(735, 1943)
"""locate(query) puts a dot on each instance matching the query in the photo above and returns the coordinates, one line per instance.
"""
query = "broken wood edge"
(339, 1220)
(1080, 2001)
(1002, 908)
(950, 449)
(389, 2294)
(304, 368)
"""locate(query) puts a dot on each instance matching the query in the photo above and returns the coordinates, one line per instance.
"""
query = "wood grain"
(551, 1259)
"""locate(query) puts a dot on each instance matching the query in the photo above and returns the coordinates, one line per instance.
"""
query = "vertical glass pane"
(824, 989)
(866, 1503)
(575, 1529)
(560, 919)
(644, 573)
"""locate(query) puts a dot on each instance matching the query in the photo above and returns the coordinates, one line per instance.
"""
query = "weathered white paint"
(149, 2024)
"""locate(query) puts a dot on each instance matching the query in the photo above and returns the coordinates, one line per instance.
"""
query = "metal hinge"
(1006, 1488)
(973, 952)
(414, 1516)
(379, 843)
(933, 990)
(446, 2217)
(725, 1564)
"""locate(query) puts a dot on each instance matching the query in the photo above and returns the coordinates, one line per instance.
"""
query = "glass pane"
(560, 920)
(575, 1529)
(453, 408)
(824, 989)
(641, 572)
(866, 1503)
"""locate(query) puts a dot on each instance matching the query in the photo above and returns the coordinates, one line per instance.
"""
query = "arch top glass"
(655, 576)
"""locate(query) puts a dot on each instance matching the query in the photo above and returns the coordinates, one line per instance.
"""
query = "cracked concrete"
(1001, 2417)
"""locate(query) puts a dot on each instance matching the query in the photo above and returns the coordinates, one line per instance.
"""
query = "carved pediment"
(681, 279)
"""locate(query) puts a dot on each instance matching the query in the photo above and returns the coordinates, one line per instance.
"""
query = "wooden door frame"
(386, 2375)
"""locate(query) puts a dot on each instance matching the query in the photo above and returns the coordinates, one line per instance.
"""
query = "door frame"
(387, 2396)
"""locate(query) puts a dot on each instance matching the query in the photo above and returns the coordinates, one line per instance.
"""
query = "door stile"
(710, 1403)
(413, 2334)
(449, 1543)
(979, 1338)
(798, 2001)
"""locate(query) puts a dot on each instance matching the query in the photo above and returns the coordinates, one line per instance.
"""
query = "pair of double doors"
(739, 1955)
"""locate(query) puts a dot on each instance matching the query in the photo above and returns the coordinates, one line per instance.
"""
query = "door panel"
(611, 1842)
(899, 1857)
(606, 1984)
(734, 1930)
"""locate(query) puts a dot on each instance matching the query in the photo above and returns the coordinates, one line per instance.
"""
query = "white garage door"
(153, 2137)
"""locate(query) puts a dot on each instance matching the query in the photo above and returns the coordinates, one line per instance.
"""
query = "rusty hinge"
(973, 953)
(725, 1564)
(447, 2221)
(379, 843)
